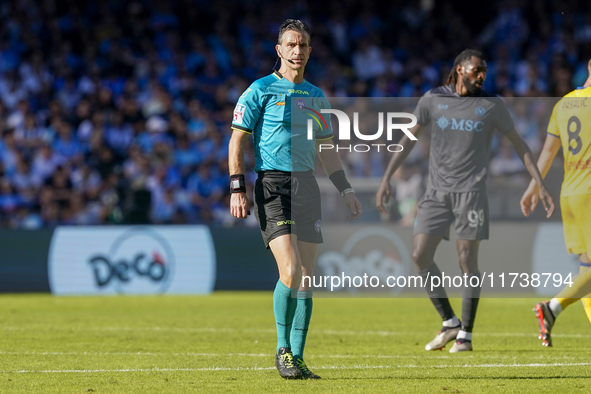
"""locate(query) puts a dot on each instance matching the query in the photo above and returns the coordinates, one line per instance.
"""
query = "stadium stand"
(119, 112)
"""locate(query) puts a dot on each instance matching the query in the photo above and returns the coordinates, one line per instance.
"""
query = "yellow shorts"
(576, 219)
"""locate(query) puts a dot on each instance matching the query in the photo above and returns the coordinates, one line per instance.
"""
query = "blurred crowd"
(120, 111)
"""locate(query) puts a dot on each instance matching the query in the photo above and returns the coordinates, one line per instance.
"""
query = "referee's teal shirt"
(280, 137)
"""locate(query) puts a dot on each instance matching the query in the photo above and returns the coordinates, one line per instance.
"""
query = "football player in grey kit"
(463, 119)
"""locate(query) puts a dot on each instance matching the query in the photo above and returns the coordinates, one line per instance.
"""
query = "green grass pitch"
(225, 343)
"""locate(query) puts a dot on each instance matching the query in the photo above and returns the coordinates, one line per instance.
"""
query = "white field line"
(262, 330)
(269, 355)
(534, 365)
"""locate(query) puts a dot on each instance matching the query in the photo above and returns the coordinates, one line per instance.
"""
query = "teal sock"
(301, 322)
(284, 307)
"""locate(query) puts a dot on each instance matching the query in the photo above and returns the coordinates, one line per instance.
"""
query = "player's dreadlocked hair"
(463, 57)
(293, 24)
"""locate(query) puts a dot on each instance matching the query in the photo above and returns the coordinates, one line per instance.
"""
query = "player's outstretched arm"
(529, 200)
(527, 158)
(238, 201)
(332, 164)
(383, 194)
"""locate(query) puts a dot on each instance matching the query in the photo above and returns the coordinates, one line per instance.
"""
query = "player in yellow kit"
(570, 126)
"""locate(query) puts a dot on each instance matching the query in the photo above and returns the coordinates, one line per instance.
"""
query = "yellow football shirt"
(571, 122)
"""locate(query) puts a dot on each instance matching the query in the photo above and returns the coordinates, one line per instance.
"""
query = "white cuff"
(347, 191)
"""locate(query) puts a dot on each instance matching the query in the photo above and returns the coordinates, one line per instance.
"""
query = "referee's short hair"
(293, 24)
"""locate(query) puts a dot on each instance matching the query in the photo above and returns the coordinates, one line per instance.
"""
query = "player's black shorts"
(438, 209)
(288, 203)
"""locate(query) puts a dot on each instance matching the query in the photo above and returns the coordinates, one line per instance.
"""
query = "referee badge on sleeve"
(239, 113)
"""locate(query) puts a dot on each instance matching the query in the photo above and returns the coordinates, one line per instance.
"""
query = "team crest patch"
(239, 113)
(480, 111)
(300, 103)
(317, 226)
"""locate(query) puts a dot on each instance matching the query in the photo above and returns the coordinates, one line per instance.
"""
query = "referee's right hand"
(239, 205)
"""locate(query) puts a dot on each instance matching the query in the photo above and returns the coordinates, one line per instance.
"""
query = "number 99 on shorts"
(476, 218)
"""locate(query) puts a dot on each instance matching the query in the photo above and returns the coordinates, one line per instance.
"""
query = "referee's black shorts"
(288, 203)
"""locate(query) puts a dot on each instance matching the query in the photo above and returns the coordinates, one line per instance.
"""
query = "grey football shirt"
(461, 136)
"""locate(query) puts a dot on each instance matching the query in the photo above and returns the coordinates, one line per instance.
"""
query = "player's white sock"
(453, 322)
(555, 307)
(464, 335)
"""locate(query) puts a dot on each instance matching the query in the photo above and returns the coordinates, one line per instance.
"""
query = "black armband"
(339, 180)
(237, 183)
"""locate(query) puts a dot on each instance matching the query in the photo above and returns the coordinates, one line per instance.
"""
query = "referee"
(286, 183)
